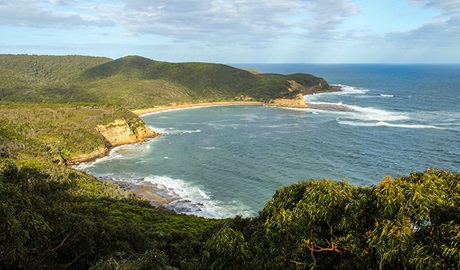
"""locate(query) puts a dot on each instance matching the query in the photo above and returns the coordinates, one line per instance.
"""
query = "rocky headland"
(117, 133)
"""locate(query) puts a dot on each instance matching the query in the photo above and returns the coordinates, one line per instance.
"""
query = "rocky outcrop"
(297, 102)
(119, 133)
(116, 133)
(143, 132)
(97, 153)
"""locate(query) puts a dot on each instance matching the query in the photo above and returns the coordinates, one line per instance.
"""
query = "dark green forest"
(55, 217)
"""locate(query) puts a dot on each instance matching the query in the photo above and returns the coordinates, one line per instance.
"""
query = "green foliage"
(56, 132)
(226, 249)
(136, 82)
(411, 222)
(56, 217)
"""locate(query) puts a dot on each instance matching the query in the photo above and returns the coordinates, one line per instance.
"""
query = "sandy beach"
(192, 105)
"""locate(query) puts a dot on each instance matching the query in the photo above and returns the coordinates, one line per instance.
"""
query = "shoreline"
(149, 191)
(142, 112)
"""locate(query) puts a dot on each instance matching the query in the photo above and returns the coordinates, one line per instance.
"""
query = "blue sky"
(237, 31)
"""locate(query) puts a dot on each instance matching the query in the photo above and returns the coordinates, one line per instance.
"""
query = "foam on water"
(344, 90)
(371, 113)
(385, 124)
(112, 155)
(189, 199)
(387, 95)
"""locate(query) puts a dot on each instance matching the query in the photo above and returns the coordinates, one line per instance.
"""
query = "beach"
(141, 112)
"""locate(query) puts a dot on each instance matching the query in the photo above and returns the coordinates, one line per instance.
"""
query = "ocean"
(225, 161)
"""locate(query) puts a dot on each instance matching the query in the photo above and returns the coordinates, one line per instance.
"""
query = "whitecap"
(193, 200)
(162, 130)
(351, 90)
(210, 148)
(372, 113)
(344, 90)
(385, 124)
(387, 95)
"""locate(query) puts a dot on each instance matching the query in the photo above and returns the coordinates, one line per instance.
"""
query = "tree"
(226, 249)
(412, 222)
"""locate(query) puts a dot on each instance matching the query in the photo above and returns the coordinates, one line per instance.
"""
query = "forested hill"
(137, 82)
(44, 69)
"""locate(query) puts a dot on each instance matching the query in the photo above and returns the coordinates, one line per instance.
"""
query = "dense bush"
(55, 217)
(412, 222)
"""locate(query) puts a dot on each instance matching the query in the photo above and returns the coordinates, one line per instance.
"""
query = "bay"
(229, 160)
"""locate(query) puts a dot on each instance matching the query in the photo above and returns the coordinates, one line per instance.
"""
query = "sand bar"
(191, 105)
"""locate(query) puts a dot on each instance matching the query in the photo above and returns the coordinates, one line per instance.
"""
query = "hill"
(137, 82)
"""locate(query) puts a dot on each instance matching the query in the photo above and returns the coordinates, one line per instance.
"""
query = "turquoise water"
(229, 160)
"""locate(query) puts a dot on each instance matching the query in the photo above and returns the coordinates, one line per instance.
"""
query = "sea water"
(229, 160)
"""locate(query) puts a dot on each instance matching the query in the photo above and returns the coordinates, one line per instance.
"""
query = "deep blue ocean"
(229, 160)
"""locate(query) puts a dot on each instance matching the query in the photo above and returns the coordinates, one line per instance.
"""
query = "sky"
(236, 31)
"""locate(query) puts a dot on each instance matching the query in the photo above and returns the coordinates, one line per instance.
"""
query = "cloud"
(29, 13)
(442, 31)
(448, 7)
(215, 21)
(327, 16)
(239, 21)
(438, 33)
(209, 21)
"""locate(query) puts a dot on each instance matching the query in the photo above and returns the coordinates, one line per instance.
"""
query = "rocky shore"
(116, 133)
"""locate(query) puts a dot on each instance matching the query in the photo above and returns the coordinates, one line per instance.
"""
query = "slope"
(137, 82)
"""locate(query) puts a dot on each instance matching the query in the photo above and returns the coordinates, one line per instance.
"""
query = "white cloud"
(439, 33)
(442, 31)
(238, 21)
(29, 13)
(448, 7)
(214, 21)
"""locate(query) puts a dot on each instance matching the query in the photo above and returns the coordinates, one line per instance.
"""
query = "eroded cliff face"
(119, 132)
(297, 102)
(116, 133)
(97, 153)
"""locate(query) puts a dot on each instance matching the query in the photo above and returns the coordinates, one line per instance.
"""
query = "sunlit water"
(229, 160)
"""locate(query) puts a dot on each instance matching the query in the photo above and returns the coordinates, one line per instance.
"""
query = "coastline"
(142, 112)
(149, 191)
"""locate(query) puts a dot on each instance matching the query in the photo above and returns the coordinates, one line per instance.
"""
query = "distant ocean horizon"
(229, 160)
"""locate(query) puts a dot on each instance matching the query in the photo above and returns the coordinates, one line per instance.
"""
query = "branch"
(62, 244)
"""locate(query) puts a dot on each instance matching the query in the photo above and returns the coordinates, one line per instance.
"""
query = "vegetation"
(136, 82)
(56, 132)
(55, 217)
(412, 222)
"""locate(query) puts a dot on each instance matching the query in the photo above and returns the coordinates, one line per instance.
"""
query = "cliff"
(97, 153)
(119, 132)
(297, 102)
